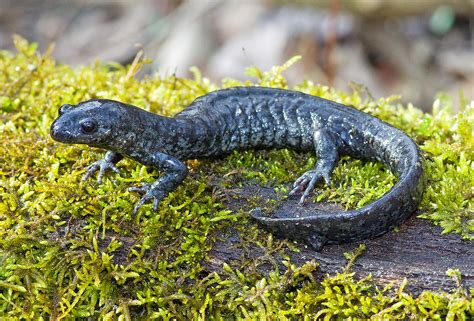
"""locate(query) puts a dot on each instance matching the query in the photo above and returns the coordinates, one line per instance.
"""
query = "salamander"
(242, 118)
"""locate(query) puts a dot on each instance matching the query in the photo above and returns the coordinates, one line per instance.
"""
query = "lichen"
(71, 249)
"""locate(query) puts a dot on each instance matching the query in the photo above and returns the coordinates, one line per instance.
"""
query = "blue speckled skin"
(255, 117)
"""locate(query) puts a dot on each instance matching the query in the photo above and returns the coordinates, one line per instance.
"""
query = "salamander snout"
(58, 129)
(59, 132)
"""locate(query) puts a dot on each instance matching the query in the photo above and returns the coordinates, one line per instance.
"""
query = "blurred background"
(414, 48)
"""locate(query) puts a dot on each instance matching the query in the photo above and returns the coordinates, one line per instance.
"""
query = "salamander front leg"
(102, 165)
(174, 173)
(326, 151)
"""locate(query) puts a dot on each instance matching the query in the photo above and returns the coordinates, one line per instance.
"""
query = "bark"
(417, 251)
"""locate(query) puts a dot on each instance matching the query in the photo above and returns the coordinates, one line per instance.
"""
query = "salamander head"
(92, 122)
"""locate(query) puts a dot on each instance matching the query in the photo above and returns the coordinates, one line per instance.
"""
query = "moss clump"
(72, 249)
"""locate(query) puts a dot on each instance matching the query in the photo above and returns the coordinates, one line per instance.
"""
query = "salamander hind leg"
(326, 151)
(307, 181)
(151, 192)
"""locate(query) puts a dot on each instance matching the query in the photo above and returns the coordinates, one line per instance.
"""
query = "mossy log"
(71, 249)
(415, 250)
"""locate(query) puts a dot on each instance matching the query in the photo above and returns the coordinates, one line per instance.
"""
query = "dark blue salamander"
(254, 117)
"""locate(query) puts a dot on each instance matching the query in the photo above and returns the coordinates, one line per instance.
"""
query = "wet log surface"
(417, 251)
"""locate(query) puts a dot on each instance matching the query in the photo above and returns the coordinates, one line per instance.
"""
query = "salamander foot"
(308, 180)
(102, 166)
(151, 192)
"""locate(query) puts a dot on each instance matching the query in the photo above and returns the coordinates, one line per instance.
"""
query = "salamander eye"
(88, 126)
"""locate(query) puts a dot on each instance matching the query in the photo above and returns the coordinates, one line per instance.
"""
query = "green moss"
(72, 249)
